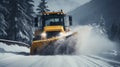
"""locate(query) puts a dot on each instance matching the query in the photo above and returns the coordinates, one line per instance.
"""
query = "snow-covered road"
(12, 60)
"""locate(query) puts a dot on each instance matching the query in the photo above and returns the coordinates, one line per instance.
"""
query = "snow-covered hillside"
(103, 12)
(66, 5)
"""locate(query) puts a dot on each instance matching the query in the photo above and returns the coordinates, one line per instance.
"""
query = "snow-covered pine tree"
(30, 12)
(27, 22)
(42, 7)
(3, 23)
(12, 19)
(102, 22)
(20, 20)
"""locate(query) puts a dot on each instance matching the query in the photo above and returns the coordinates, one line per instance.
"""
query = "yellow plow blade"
(42, 43)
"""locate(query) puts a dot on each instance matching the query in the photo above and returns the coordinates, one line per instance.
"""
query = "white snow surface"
(13, 48)
(11, 60)
(86, 54)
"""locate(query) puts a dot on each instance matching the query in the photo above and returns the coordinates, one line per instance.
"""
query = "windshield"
(54, 21)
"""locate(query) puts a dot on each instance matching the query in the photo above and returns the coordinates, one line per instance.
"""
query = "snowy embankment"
(90, 46)
(14, 42)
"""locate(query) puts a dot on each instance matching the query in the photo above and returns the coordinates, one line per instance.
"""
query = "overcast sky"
(66, 5)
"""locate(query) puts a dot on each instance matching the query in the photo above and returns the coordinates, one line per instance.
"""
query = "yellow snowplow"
(50, 28)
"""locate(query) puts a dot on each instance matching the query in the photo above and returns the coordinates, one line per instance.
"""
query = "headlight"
(43, 36)
(61, 34)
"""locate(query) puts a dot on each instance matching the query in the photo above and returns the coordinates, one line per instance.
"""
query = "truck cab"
(51, 24)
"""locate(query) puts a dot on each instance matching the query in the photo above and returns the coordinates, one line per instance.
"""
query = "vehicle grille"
(52, 34)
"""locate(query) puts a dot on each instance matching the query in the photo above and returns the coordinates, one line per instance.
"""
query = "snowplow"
(52, 34)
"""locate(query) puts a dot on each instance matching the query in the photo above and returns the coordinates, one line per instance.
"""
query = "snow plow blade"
(48, 46)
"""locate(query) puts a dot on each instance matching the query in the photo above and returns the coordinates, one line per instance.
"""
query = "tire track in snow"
(98, 62)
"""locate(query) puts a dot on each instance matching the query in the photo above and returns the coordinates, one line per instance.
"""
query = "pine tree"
(3, 24)
(12, 19)
(30, 12)
(42, 7)
(20, 20)
(16, 20)
(102, 21)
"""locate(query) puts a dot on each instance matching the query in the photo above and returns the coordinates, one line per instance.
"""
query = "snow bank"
(12, 48)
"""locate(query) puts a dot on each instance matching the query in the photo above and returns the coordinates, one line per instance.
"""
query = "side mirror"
(70, 20)
(36, 21)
